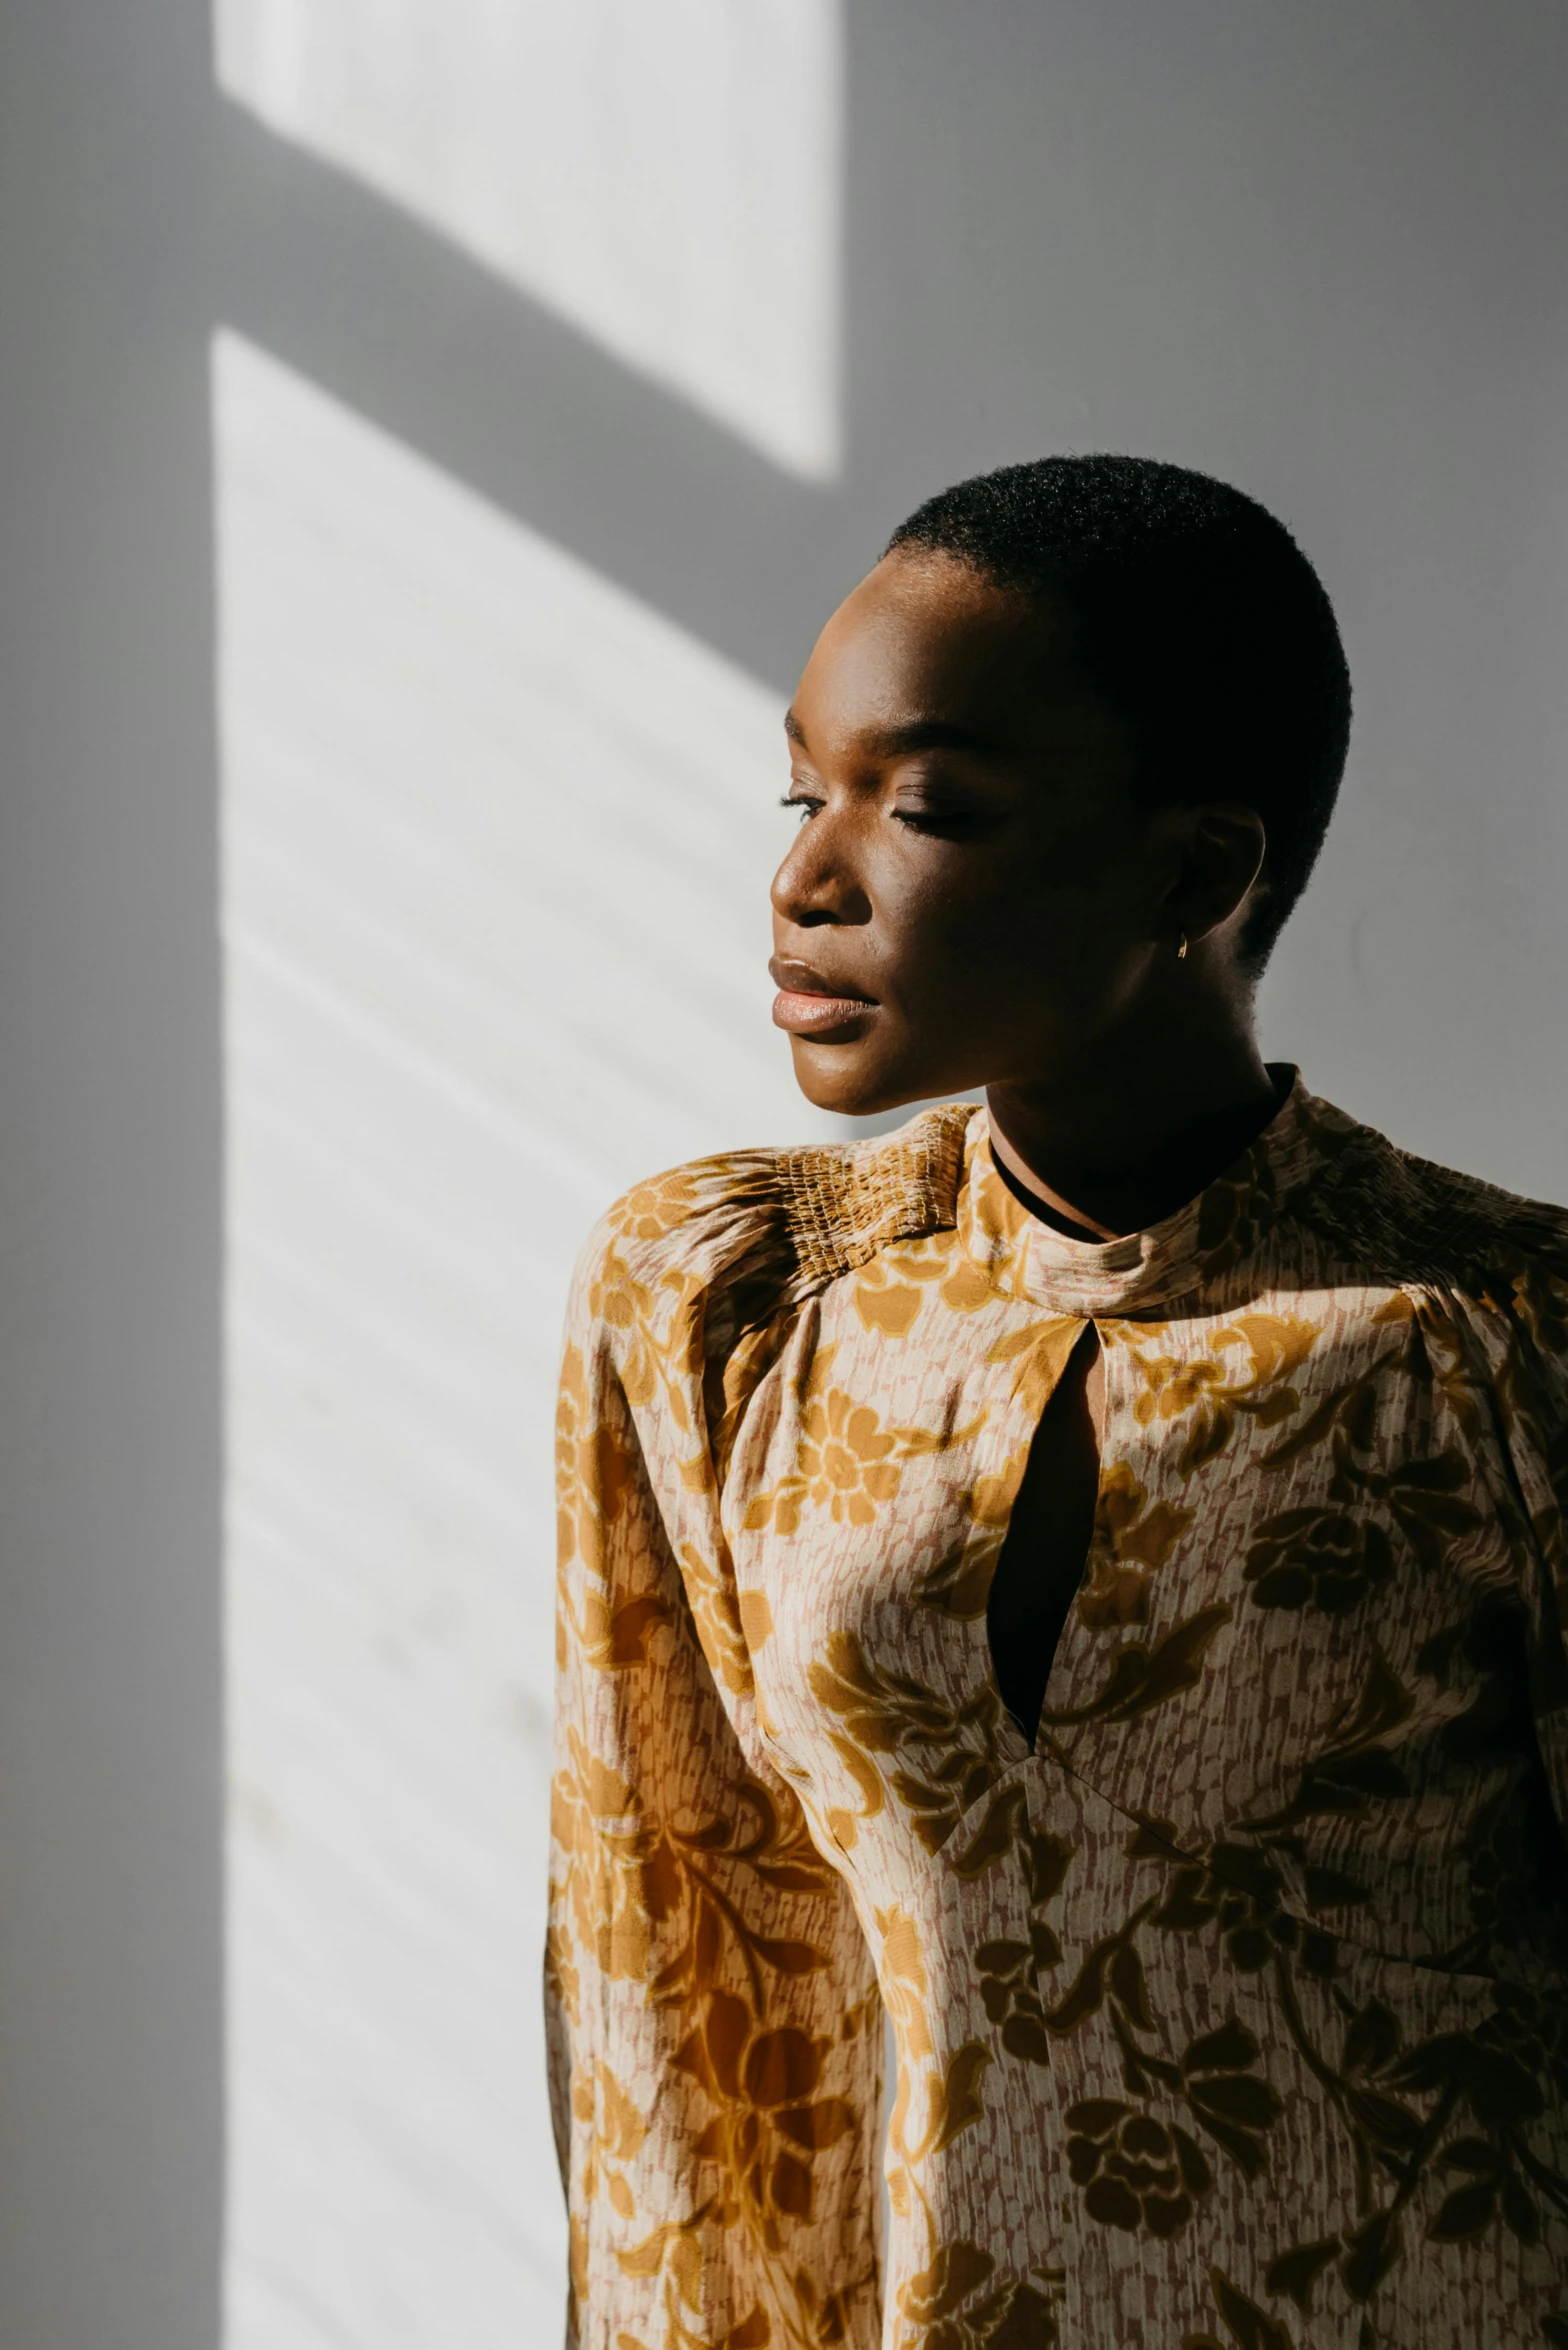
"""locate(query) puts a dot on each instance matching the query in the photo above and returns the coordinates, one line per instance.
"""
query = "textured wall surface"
(496, 841)
(308, 1012)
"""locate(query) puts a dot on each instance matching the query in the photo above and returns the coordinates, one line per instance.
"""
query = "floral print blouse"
(1230, 2015)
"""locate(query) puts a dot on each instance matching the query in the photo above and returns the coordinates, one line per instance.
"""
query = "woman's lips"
(817, 1015)
(810, 1004)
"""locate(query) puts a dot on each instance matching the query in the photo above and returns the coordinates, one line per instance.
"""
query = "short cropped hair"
(1198, 622)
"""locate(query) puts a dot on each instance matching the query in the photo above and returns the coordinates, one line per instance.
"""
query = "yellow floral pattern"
(1232, 2013)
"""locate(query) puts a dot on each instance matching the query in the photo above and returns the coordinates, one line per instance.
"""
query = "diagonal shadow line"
(497, 389)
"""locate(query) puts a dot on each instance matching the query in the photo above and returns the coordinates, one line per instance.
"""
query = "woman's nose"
(817, 882)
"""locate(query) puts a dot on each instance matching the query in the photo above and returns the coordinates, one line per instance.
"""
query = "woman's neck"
(1117, 1148)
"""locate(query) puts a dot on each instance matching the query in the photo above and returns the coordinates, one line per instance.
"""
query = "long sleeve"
(714, 2024)
(1533, 1398)
(1516, 1339)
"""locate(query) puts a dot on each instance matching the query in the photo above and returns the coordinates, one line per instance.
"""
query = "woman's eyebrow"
(928, 734)
(915, 734)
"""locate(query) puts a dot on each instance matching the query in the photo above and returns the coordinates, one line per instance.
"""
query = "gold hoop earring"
(1181, 951)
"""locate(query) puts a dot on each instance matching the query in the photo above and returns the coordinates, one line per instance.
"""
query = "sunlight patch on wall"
(667, 177)
(496, 842)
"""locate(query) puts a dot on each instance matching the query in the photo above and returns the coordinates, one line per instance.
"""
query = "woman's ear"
(1223, 847)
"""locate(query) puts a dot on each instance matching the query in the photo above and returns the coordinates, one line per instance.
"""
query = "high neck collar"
(1141, 1271)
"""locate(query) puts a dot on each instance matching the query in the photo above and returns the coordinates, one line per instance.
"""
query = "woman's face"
(973, 898)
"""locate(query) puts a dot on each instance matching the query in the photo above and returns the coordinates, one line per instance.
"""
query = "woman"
(1083, 1576)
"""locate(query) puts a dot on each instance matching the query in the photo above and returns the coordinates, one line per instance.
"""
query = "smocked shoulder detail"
(772, 1227)
(1406, 1219)
(843, 1202)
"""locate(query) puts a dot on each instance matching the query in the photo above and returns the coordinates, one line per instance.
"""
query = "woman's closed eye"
(945, 817)
(932, 819)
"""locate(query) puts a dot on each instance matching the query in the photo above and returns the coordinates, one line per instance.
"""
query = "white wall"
(496, 840)
(1319, 250)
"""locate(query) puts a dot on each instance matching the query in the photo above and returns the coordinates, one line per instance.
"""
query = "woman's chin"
(850, 1082)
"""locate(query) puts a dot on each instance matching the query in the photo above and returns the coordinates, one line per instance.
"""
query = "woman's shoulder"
(1410, 1219)
(791, 1218)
